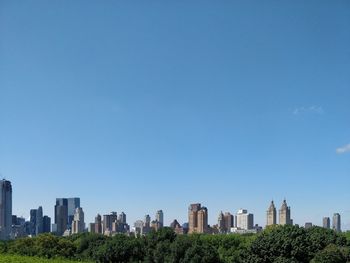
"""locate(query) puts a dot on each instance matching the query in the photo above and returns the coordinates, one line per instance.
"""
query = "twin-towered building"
(284, 214)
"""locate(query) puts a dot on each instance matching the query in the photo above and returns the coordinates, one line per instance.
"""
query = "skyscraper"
(39, 226)
(284, 214)
(98, 224)
(73, 203)
(326, 222)
(5, 209)
(160, 217)
(245, 221)
(108, 220)
(122, 218)
(221, 223)
(192, 217)
(229, 222)
(336, 222)
(32, 220)
(78, 224)
(46, 224)
(147, 222)
(61, 215)
(271, 215)
(202, 220)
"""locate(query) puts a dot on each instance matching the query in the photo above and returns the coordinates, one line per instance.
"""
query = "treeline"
(280, 244)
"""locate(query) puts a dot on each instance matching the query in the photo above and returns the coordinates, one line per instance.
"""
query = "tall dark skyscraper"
(61, 215)
(5, 209)
(46, 224)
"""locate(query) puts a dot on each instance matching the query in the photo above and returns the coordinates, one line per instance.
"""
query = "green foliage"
(278, 244)
(331, 254)
(26, 259)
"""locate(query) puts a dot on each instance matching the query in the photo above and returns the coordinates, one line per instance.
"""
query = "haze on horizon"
(137, 106)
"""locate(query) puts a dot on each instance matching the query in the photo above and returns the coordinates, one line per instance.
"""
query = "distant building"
(336, 222)
(147, 222)
(61, 216)
(91, 228)
(326, 222)
(308, 225)
(5, 209)
(229, 222)
(197, 219)
(122, 218)
(18, 227)
(39, 226)
(271, 215)
(46, 224)
(178, 229)
(78, 224)
(98, 224)
(73, 203)
(107, 222)
(245, 220)
(284, 214)
(221, 223)
(160, 218)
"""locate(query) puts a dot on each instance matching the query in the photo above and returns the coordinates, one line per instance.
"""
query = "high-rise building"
(336, 222)
(61, 216)
(160, 217)
(78, 224)
(147, 222)
(202, 220)
(221, 223)
(271, 215)
(98, 224)
(46, 224)
(284, 214)
(229, 222)
(32, 220)
(326, 222)
(5, 209)
(73, 203)
(39, 226)
(108, 220)
(122, 218)
(245, 220)
(192, 217)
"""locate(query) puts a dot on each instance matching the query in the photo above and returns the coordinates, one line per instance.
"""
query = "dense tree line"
(279, 244)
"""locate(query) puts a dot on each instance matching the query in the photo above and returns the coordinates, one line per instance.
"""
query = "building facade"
(284, 214)
(5, 209)
(245, 221)
(61, 216)
(197, 219)
(271, 215)
(326, 222)
(78, 224)
(336, 222)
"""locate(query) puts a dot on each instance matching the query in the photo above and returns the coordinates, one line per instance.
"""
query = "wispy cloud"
(343, 149)
(310, 109)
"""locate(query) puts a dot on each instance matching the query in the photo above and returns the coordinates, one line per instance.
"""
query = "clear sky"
(137, 106)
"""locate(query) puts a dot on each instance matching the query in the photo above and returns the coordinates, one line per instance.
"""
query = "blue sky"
(137, 106)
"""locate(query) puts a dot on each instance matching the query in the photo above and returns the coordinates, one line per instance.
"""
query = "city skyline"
(139, 107)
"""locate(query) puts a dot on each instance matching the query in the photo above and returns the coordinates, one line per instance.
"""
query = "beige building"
(271, 215)
(197, 219)
(284, 214)
(78, 224)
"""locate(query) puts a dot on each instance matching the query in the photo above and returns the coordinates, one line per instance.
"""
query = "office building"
(284, 214)
(108, 220)
(98, 224)
(336, 222)
(160, 218)
(326, 222)
(221, 223)
(308, 225)
(5, 209)
(245, 220)
(78, 224)
(122, 218)
(271, 215)
(197, 219)
(229, 222)
(61, 216)
(73, 204)
(46, 224)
